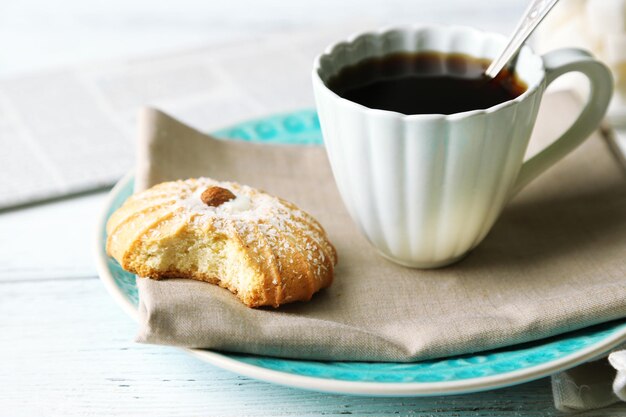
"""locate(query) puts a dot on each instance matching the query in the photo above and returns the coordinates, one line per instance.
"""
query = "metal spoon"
(534, 14)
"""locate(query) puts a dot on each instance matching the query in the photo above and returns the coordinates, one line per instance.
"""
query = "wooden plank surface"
(66, 348)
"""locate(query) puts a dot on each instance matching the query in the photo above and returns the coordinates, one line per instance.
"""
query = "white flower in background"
(598, 26)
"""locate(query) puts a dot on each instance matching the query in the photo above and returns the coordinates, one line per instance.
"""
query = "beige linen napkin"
(554, 262)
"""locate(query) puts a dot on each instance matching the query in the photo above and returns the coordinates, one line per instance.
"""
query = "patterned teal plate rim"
(454, 375)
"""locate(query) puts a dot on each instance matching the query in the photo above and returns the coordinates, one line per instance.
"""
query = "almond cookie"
(262, 248)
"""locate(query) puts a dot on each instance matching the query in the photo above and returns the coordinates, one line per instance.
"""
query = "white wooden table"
(65, 348)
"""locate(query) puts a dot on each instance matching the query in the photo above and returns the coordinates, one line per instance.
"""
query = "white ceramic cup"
(425, 189)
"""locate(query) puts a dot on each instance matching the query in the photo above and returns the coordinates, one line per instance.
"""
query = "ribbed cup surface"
(425, 189)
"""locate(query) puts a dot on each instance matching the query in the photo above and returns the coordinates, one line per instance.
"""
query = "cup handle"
(557, 63)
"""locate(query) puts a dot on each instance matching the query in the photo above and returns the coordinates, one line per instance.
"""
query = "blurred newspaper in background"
(70, 131)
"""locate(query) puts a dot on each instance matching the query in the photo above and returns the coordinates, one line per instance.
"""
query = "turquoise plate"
(460, 374)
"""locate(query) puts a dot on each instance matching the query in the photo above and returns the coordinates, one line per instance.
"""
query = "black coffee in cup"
(425, 83)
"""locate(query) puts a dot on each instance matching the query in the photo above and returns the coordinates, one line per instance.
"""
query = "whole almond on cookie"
(216, 196)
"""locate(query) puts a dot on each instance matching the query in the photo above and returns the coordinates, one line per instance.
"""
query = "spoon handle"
(534, 14)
